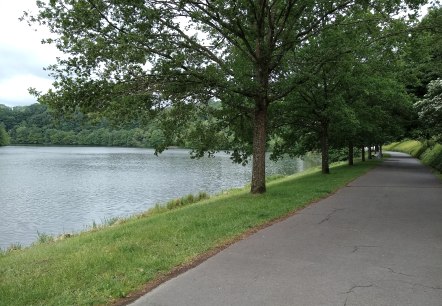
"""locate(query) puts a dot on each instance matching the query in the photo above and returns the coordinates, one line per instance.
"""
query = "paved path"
(377, 241)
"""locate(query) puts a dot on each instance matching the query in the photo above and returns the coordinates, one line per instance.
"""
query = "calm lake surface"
(55, 190)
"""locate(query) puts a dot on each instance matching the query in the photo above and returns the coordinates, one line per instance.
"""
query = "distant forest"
(37, 125)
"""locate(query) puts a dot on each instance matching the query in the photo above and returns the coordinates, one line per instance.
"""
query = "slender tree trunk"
(363, 153)
(259, 150)
(350, 154)
(369, 152)
(380, 151)
(324, 151)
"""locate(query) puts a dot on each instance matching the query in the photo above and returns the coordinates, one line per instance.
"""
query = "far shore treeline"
(37, 125)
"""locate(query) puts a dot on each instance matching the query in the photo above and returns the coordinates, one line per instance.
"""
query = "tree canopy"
(430, 109)
(141, 58)
(4, 137)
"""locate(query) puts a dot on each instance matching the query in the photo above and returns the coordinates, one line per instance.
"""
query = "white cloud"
(15, 89)
(22, 56)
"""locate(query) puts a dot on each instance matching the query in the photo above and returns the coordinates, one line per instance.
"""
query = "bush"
(433, 157)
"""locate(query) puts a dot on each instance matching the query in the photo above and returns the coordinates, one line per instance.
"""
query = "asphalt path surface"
(377, 241)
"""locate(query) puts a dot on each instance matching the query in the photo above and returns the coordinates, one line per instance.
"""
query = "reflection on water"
(54, 190)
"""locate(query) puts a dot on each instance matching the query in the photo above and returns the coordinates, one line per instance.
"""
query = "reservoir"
(56, 190)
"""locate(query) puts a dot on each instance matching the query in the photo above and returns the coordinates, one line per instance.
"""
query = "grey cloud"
(15, 62)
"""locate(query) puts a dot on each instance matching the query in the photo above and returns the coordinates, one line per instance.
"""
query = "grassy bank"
(429, 153)
(102, 266)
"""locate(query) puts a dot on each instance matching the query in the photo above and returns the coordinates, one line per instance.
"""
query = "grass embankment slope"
(106, 265)
(430, 154)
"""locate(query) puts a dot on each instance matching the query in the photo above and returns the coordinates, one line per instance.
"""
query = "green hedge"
(430, 153)
(433, 157)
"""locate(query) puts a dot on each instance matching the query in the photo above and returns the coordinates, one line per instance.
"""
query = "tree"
(423, 56)
(430, 109)
(351, 95)
(138, 57)
(4, 137)
(6, 117)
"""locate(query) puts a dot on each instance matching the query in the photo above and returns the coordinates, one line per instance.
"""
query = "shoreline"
(60, 182)
(111, 264)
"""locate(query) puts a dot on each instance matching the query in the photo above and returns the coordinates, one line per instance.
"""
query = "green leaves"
(171, 58)
(4, 137)
(430, 109)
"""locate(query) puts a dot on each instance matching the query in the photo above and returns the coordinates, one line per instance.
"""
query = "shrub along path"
(378, 241)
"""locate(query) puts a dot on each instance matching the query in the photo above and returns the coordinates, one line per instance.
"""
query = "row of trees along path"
(304, 74)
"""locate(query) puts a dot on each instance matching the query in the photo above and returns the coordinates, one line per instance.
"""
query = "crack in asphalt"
(357, 247)
(428, 287)
(414, 284)
(351, 290)
(330, 214)
(399, 273)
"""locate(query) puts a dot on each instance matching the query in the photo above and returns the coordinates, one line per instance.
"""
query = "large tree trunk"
(324, 151)
(350, 154)
(259, 150)
(262, 74)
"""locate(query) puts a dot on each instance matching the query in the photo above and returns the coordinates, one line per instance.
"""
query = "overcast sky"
(22, 56)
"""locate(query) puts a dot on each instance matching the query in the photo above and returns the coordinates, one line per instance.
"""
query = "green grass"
(430, 153)
(101, 266)
(412, 147)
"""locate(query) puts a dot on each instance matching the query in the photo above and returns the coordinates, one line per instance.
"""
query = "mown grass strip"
(412, 147)
(103, 266)
(429, 152)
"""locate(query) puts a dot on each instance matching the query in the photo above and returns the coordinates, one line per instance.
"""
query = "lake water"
(55, 190)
